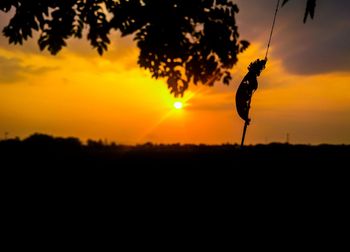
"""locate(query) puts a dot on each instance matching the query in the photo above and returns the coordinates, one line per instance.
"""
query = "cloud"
(212, 101)
(12, 70)
(9, 70)
(223, 106)
(320, 46)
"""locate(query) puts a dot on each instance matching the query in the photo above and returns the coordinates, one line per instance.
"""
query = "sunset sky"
(303, 92)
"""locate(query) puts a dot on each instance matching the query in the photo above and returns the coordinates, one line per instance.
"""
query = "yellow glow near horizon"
(178, 105)
(110, 97)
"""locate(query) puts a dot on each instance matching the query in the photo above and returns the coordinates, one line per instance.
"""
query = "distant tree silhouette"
(181, 40)
(95, 144)
(46, 142)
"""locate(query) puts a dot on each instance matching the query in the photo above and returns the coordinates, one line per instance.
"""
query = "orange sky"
(78, 93)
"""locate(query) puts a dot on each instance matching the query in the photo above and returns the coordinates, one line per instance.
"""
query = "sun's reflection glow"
(178, 105)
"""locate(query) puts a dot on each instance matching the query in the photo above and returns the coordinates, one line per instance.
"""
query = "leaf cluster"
(180, 40)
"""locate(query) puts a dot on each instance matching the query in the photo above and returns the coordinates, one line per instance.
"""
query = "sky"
(304, 92)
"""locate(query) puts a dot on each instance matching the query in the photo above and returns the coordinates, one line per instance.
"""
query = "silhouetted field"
(51, 167)
(174, 186)
(46, 151)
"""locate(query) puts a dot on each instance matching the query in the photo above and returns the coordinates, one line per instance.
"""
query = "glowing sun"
(178, 105)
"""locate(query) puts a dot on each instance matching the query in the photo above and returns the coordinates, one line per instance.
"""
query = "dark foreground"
(46, 151)
(160, 179)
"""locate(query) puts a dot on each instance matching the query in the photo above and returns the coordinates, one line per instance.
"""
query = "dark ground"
(217, 170)
(175, 185)
(48, 152)
(45, 151)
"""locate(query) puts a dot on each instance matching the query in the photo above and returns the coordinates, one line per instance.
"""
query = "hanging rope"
(272, 29)
(250, 83)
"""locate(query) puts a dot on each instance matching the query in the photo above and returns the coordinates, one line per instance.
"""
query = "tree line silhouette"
(40, 149)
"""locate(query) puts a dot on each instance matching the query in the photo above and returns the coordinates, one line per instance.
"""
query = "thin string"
(272, 29)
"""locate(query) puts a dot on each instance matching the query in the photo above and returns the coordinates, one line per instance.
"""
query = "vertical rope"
(272, 29)
(246, 123)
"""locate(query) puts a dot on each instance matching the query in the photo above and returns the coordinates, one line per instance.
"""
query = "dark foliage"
(180, 40)
(310, 8)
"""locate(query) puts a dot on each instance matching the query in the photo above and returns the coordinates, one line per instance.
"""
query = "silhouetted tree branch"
(310, 8)
(181, 40)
